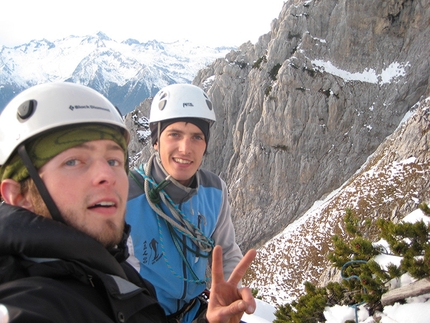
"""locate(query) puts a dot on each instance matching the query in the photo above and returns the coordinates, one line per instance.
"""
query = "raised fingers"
(242, 266)
(217, 266)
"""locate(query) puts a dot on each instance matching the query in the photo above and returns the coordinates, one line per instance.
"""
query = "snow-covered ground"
(414, 310)
(264, 313)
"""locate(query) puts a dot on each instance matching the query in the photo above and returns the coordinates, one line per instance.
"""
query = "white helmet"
(181, 101)
(47, 106)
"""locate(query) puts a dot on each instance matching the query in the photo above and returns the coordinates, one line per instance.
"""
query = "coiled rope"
(350, 263)
(155, 195)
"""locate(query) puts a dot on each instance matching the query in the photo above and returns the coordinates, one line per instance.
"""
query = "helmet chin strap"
(158, 134)
(43, 191)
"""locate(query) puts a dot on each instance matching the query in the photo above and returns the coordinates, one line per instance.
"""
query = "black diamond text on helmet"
(73, 107)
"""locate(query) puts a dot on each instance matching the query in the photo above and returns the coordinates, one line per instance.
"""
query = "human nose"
(103, 172)
(185, 145)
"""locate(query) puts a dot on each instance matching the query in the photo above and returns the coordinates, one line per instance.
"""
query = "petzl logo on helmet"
(189, 104)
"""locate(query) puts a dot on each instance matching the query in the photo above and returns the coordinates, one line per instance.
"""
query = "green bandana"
(47, 146)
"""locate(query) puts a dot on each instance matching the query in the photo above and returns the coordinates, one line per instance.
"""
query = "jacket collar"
(176, 191)
(26, 233)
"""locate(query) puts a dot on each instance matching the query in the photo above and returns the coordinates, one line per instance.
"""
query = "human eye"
(199, 137)
(71, 162)
(114, 162)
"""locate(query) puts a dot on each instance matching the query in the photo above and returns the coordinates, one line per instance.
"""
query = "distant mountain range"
(126, 73)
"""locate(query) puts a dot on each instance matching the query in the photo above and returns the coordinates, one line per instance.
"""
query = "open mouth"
(181, 161)
(102, 204)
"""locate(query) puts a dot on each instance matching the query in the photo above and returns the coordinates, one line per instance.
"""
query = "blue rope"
(355, 306)
(350, 263)
(174, 273)
(209, 242)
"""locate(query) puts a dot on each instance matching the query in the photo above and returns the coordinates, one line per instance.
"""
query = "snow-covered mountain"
(126, 73)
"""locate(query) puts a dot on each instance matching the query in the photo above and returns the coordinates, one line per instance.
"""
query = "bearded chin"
(109, 235)
(112, 236)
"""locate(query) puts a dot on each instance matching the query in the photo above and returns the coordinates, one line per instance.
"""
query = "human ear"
(11, 193)
(156, 146)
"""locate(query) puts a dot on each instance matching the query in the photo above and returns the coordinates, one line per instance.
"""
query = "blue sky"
(220, 22)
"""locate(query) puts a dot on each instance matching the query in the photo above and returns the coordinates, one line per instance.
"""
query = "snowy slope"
(383, 186)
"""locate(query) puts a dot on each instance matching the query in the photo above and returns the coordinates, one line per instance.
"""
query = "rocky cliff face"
(300, 111)
(390, 185)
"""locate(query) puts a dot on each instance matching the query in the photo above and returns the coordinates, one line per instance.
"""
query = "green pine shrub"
(364, 279)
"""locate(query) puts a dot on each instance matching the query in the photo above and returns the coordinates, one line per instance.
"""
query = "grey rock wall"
(301, 110)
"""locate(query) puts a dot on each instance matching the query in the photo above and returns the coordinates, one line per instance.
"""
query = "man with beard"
(64, 186)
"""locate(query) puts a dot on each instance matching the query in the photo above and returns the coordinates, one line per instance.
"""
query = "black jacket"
(50, 272)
